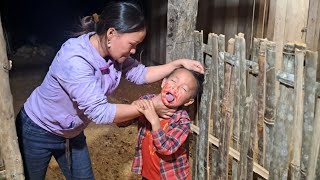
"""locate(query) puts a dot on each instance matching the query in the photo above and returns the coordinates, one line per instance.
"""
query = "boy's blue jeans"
(37, 146)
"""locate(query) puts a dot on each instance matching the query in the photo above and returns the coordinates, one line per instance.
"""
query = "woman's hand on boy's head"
(190, 64)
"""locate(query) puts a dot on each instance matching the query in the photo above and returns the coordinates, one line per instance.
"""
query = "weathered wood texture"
(314, 155)
(298, 115)
(270, 138)
(270, 103)
(181, 23)
(233, 16)
(154, 46)
(204, 117)
(8, 138)
(308, 114)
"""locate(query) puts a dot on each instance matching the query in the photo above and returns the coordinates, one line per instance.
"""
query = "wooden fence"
(254, 122)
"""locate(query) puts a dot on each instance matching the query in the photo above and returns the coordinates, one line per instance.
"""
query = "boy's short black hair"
(200, 79)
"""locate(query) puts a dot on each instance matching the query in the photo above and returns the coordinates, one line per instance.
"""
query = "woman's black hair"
(124, 16)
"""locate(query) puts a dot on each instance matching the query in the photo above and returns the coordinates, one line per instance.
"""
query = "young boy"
(160, 152)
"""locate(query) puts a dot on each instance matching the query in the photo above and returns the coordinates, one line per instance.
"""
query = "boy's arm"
(170, 141)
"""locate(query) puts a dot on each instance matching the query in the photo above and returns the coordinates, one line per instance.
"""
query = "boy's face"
(178, 89)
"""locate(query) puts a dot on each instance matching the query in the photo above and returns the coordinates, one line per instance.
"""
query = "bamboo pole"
(284, 119)
(8, 137)
(309, 104)
(269, 116)
(298, 115)
(252, 91)
(204, 117)
(261, 91)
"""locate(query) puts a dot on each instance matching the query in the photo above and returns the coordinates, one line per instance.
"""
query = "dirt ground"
(111, 148)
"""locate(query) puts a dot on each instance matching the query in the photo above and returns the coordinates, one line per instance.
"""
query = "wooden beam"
(233, 153)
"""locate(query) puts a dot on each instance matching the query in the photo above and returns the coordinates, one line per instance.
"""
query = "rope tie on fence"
(269, 121)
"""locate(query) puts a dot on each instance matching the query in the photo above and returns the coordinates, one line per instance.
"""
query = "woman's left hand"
(190, 64)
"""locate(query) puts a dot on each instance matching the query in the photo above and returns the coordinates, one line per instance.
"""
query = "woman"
(74, 92)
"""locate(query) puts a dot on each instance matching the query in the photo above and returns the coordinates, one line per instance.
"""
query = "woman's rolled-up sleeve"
(134, 71)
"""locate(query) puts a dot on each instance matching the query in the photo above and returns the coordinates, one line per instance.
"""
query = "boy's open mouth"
(170, 97)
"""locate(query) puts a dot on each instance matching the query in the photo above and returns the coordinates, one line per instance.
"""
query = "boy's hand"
(162, 110)
(147, 109)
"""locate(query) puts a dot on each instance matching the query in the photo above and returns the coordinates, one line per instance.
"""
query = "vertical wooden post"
(225, 76)
(198, 55)
(8, 137)
(181, 23)
(298, 115)
(204, 118)
(236, 113)
(308, 114)
(245, 103)
(252, 91)
(216, 98)
(314, 154)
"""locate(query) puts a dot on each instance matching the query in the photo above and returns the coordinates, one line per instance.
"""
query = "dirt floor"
(111, 148)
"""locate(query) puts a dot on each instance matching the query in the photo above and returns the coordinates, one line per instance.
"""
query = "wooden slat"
(216, 98)
(298, 115)
(224, 78)
(232, 152)
(309, 105)
(315, 145)
(204, 116)
(236, 107)
(245, 104)
(252, 91)
(198, 55)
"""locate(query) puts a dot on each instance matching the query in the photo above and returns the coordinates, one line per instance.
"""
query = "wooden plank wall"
(233, 16)
(154, 52)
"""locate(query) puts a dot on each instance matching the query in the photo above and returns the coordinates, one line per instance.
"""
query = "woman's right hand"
(162, 110)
